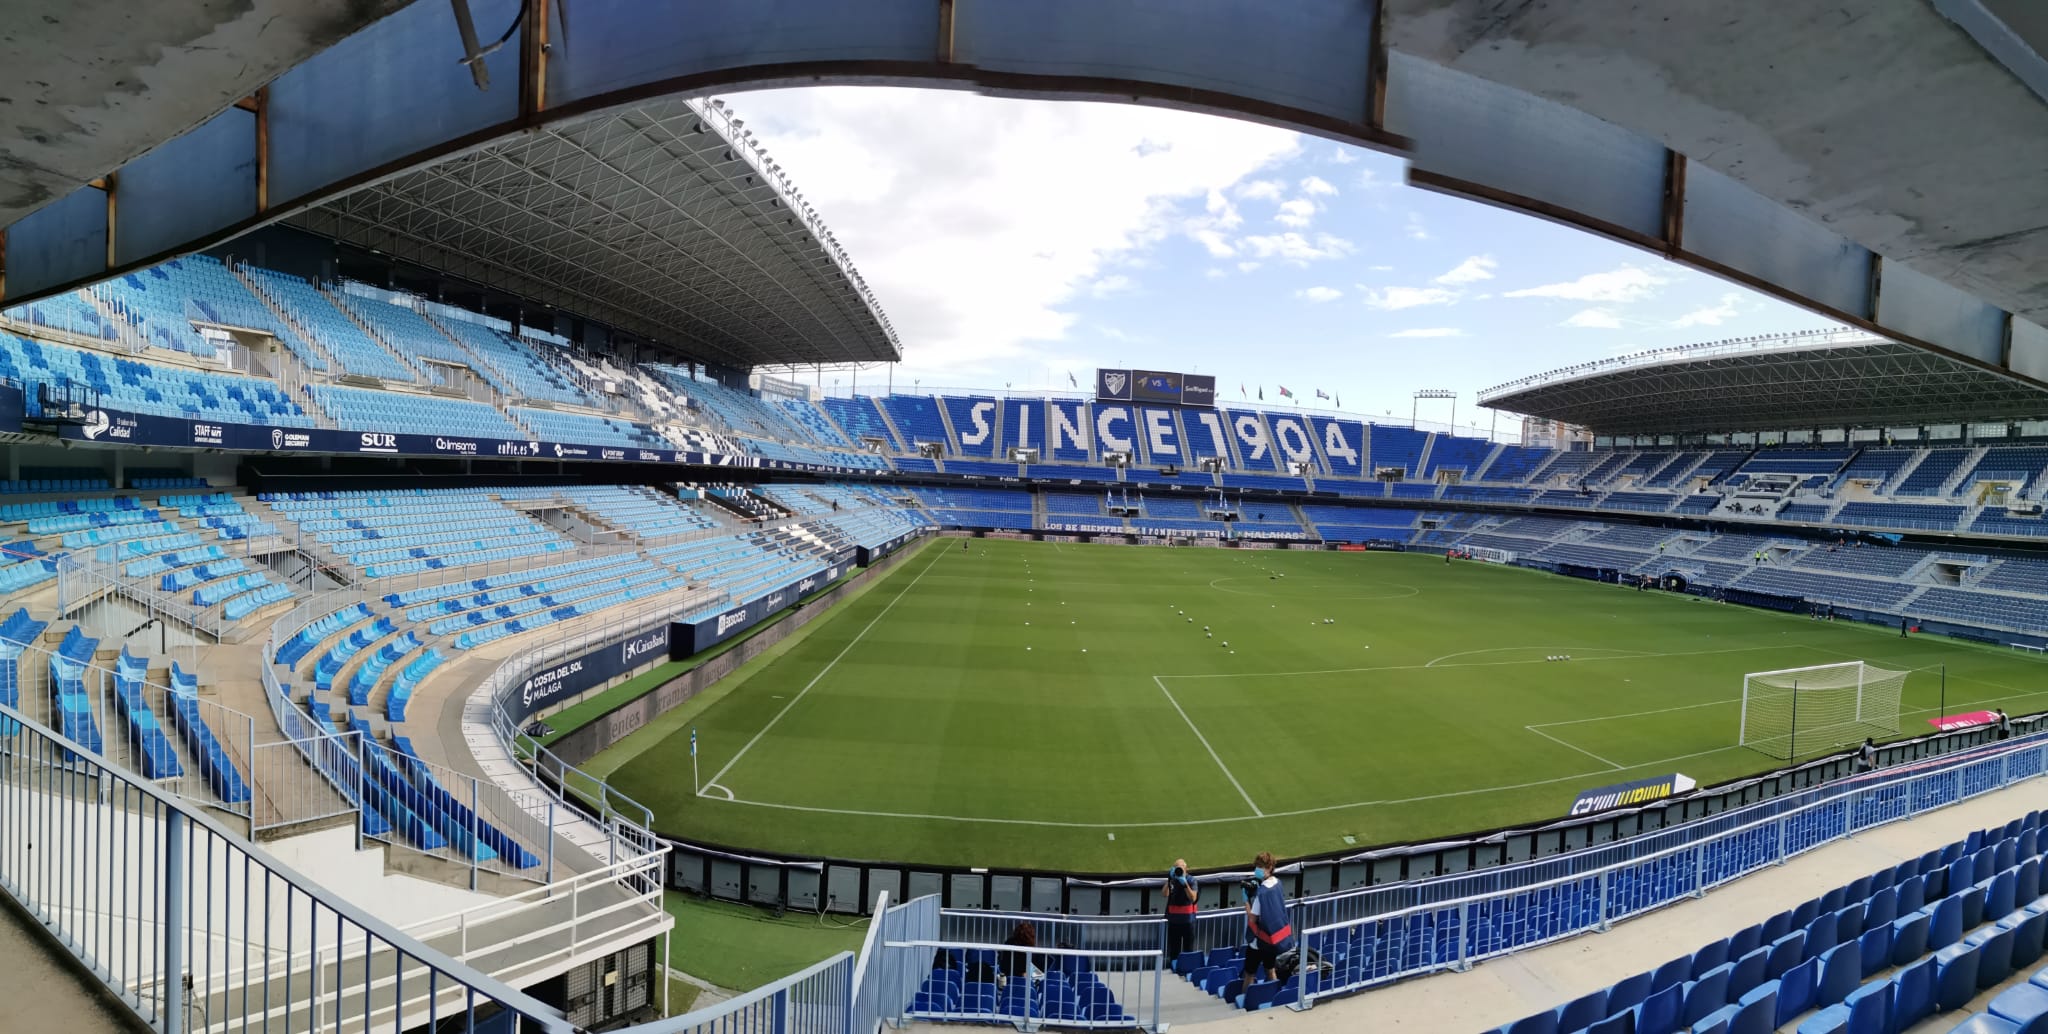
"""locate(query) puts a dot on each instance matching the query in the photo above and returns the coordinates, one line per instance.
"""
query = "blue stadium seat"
(1582, 1011)
(1619, 1023)
(1946, 927)
(1707, 994)
(1875, 946)
(1909, 938)
(2023, 1004)
(1820, 935)
(2027, 929)
(1955, 977)
(1840, 970)
(1628, 992)
(1659, 1012)
(1994, 957)
(1710, 955)
(1748, 973)
(1786, 952)
(1985, 1023)
(1912, 994)
(1718, 1022)
(1544, 1022)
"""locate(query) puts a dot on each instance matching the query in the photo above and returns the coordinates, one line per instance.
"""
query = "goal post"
(1795, 711)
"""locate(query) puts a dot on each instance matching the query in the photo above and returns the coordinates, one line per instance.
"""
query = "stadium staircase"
(1302, 517)
(1422, 458)
(1039, 517)
(1891, 485)
(895, 433)
(952, 442)
(1954, 481)
(334, 367)
(348, 313)
(1492, 456)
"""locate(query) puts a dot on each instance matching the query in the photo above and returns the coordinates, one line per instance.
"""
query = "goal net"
(1800, 711)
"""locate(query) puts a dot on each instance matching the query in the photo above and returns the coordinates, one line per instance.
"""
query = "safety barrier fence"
(195, 928)
(157, 747)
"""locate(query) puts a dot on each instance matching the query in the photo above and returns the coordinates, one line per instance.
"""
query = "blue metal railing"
(1373, 935)
(196, 928)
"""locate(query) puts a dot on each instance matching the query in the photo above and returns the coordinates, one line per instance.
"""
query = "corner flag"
(693, 741)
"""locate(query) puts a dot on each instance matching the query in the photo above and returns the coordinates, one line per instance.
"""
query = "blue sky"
(1013, 242)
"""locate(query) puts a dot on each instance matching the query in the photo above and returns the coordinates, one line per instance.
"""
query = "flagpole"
(696, 787)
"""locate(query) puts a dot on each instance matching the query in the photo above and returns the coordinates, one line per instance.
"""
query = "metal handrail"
(183, 830)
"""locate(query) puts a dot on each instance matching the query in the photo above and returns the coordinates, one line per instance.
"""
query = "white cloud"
(1115, 283)
(1246, 267)
(1342, 155)
(1297, 213)
(1595, 319)
(1314, 185)
(1297, 248)
(1370, 179)
(1379, 269)
(1214, 273)
(1408, 297)
(1217, 244)
(972, 222)
(1261, 190)
(1428, 332)
(1415, 230)
(1712, 316)
(1626, 284)
(1470, 271)
(1319, 294)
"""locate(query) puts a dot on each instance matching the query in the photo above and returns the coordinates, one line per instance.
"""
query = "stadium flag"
(1322, 395)
(1262, 393)
(1284, 393)
(1071, 382)
(1338, 402)
(1241, 392)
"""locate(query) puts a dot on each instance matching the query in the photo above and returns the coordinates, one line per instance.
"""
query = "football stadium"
(473, 562)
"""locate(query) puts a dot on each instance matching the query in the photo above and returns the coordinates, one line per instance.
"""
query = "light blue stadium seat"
(2025, 1005)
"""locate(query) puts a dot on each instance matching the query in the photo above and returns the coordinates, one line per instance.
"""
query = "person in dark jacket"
(1183, 900)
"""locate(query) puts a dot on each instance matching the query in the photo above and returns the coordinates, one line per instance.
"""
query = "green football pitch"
(1050, 705)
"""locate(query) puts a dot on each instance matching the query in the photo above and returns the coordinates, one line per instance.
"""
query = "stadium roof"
(662, 219)
(1815, 379)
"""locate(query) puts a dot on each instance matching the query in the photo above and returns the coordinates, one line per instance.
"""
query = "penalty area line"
(1213, 756)
(1186, 823)
(822, 672)
(1573, 746)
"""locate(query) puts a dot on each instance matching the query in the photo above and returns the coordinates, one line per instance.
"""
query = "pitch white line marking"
(1637, 714)
(1205, 746)
(822, 672)
(1468, 664)
(1613, 654)
(708, 787)
(1573, 746)
(1051, 823)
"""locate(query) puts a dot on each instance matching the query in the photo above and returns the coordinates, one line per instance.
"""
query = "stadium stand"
(361, 409)
(341, 337)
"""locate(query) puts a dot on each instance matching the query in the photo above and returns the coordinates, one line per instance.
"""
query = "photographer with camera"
(1265, 914)
(1183, 900)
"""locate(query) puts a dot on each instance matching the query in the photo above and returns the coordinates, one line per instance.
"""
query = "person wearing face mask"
(1265, 911)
